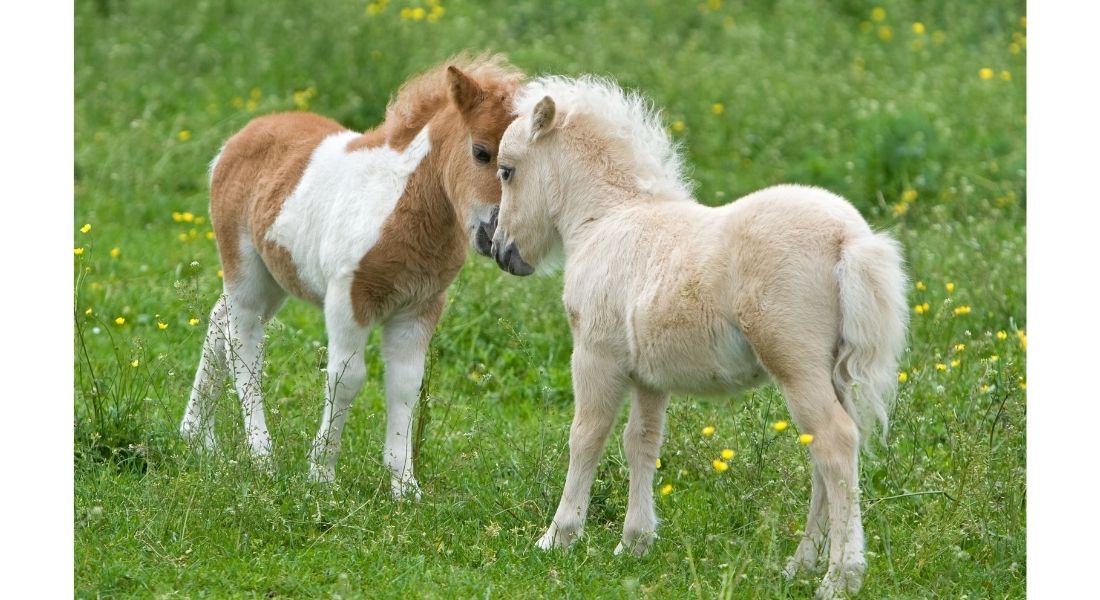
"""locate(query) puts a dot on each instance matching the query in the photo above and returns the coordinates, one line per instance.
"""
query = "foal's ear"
(465, 92)
(542, 120)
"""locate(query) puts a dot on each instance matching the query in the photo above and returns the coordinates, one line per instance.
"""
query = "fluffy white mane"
(626, 115)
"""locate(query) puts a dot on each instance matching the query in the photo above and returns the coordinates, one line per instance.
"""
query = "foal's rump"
(841, 286)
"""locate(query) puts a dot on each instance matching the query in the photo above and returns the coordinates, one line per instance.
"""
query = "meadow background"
(915, 111)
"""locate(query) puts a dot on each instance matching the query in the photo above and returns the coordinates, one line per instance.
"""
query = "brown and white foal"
(372, 227)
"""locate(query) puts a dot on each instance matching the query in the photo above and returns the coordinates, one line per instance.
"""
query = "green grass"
(810, 95)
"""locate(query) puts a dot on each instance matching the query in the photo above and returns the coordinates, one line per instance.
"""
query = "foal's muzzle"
(484, 238)
(509, 259)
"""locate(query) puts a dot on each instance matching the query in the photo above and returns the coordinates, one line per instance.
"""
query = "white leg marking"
(404, 345)
(198, 420)
(251, 301)
(344, 379)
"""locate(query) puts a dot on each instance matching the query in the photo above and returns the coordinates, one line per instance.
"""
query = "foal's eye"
(505, 173)
(481, 155)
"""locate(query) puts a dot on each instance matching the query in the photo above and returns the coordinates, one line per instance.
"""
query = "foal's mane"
(620, 114)
(422, 96)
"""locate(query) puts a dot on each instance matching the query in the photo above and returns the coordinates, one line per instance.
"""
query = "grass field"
(913, 110)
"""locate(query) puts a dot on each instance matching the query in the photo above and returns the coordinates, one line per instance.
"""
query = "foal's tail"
(873, 320)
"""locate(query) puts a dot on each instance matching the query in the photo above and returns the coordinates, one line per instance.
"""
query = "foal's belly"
(711, 356)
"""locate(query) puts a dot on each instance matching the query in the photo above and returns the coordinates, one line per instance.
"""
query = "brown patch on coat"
(424, 240)
(257, 170)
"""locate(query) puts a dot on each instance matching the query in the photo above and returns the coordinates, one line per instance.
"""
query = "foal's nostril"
(484, 240)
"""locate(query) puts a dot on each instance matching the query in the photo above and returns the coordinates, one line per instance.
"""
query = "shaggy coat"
(787, 284)
(372, 227)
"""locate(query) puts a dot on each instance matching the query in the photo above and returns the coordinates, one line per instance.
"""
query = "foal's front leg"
(642, 442)
(344, 378)
(597, 394)
(405, 341)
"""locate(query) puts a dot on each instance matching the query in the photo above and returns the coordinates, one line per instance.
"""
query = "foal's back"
(252, 177)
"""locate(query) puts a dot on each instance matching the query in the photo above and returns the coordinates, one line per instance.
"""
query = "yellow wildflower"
(78, 251)
(986, 388)
(184, 135)
(115, 252)
(1023, 22)
(708, 431)
(134, 363)
(677, 126)
(780, 425)
(885, 33)
(162, 326)
(86, 228)
(900, 209)
(941, 367)
(666, 489)
(88, 312)
(120, 321)
(1023, 385)
(962, 310)
(194, 321)
(717, 108)
(1006, 76)
(219, 273)
(985, 73)
(909, 195)
(994, 358)
(949, 286)
(1023, 339)
(728, 454)
(720, 465)
(878, 14)
(805, 439)
(187, 216)
(182, 237)
(918, 28)
(1002, 335)
(435, 12)
(921, 286)
(209, 235)
(658, 463)
(956, 362)
(1014, 48)
(920, 309)
(960, 347)
(903, 377)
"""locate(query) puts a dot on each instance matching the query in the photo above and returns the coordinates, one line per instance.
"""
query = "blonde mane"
(425, 94)
(625, 115)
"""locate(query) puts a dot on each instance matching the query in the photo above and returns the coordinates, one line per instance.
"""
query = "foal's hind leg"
(198, 420)
(252, 298)
(835, 452)
(813, 541)
(642, 442)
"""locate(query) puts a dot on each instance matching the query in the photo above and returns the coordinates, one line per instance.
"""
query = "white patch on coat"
(335, 214)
